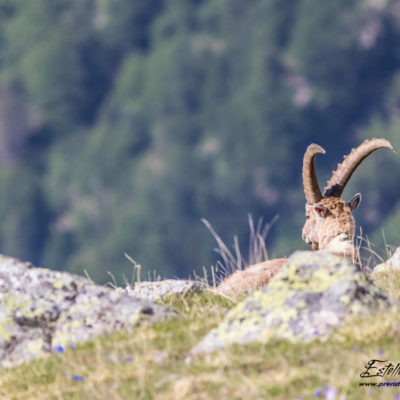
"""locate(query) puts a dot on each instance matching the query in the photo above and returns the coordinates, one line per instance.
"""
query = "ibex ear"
(320, 209)
(354, 201)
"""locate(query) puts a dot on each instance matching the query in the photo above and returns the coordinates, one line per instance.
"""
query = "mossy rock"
(41, 309)
(312, 294)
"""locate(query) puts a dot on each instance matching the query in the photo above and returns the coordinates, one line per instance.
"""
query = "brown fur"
(330, 226)
(250, 279)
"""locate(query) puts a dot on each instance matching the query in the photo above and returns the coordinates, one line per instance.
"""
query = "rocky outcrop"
(393, 263)
(41, 310)
(160, 290)
(312, 294)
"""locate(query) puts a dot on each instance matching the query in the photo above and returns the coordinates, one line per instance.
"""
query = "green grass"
(149, 363)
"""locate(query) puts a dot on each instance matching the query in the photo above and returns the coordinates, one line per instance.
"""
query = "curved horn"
(310, 182)
(335, 186)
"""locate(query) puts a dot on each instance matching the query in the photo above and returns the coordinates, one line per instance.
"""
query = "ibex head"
(329, 220)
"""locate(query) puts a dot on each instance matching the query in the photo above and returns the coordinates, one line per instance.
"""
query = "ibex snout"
(315, 213)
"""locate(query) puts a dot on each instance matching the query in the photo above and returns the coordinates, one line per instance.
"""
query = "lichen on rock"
(311, 295)
(41, 309)
(159, 290)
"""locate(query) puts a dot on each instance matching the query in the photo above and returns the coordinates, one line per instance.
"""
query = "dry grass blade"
(366, 245)
(228, 258)
(137, 268)
(112, 284)
(257, 249)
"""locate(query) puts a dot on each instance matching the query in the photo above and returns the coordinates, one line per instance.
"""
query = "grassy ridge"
(149, 363)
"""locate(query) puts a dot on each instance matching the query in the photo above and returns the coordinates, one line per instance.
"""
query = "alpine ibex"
(329, 222)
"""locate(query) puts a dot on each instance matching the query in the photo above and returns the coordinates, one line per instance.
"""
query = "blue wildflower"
(78, 378)
(72, 347)
(381, 352)
(59, 348)
(128, 359)
(318, 393)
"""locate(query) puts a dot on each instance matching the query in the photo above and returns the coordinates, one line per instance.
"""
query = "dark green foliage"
(24, 213)
(139, 118)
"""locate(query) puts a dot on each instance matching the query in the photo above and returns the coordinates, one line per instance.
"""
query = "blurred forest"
(123, 123)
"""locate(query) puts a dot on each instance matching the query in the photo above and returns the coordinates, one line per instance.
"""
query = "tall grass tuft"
(234, 260)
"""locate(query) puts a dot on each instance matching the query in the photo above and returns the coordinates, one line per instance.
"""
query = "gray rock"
(311, 295)
(42, 309)
(159, 290)
(393, 263)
